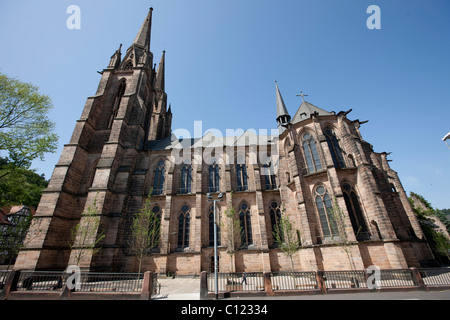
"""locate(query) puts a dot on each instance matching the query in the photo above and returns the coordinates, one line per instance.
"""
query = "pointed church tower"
(98, 163)
(283, 117)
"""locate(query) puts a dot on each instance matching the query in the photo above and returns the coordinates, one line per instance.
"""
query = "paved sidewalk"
(179, 289)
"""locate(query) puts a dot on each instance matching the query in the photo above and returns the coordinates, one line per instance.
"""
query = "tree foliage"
(85, 236)
(13, 236)
(233, 230)
(287, 237)
(20, 185)
(25, 129)
(342, 237)
(427, 215)
(145, 231)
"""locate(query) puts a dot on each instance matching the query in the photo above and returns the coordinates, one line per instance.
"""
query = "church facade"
(122, 150)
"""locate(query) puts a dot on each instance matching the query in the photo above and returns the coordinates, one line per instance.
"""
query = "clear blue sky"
(222, 58)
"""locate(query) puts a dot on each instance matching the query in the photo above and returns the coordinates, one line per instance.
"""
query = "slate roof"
(210, 140)
(281, 107)
(305, 110)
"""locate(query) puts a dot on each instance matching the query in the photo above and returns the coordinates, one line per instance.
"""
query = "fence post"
(320, 282)
(268, 284)
(417, 278)
(204, 285)
(146, 292)
(11, 284)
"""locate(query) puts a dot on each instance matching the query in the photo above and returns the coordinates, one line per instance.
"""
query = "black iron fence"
(38, 281)
(435, 276)
(41, 281)
(229, 282)
(110, 282)
(293, 281)
(330, 280)
(3, 277)
(396, 278)
(81, 282)
(345, 279)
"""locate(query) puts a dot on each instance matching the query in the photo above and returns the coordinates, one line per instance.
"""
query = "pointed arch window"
(311, 154)
(128, 65)
(354, 210)
(214, 177)
(269, 176)
(211, 226)
(184, 223)
(186, 179)
(158, 182)
(241, 175)
(325, 207)
(116, 103)
(335, 149)
(246, 225)
(155, 227)
(275, 218)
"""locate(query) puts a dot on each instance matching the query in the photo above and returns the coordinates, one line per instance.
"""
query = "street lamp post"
(216, 264)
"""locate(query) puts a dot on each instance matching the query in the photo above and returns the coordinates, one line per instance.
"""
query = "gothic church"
(122, 148)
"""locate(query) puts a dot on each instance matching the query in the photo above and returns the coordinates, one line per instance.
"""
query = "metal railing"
(293, 281)
(88, 282)
(330, 280)
(41, 281)
(345, 279)
(435, 276)
(4, 274)
(396, 278)
(111, 282)
(229, 282)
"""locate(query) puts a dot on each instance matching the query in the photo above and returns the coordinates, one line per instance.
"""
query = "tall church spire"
(143, 37)
(139, 54)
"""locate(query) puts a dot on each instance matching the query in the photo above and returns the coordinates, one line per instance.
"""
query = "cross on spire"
(302, 95)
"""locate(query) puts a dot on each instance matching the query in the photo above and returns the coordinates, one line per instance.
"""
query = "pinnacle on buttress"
(160, 74)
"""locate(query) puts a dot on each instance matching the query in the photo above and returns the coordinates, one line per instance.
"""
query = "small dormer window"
(303, 115)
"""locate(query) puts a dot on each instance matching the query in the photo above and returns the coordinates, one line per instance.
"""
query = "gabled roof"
(305, 110)
(210, 140)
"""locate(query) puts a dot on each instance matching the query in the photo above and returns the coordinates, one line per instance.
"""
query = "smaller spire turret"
(283, 117)
(116, 58)
(160, 74)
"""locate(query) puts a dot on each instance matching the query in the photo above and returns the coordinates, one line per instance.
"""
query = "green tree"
(233, 231)
(341, 238)
(443, 215)
(25, 129)
(145, 231)
(20, 185)
(12, 238)
(287, 237)
(427, 215)
(85, 236)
